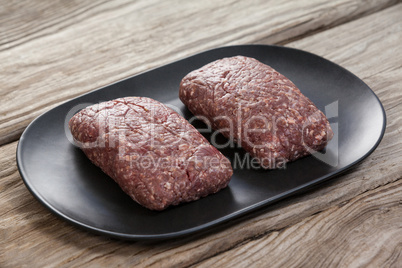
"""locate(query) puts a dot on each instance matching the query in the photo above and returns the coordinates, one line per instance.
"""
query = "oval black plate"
(63, 179)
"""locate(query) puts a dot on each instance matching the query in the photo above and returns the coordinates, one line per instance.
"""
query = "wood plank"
(68, 49)
(366, 196)
(365, 230)
(23, 21)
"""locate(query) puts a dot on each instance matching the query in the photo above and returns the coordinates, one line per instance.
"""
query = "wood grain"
(51, 51)
(336, 237)
(353, 220)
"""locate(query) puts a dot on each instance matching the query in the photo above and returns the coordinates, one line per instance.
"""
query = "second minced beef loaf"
(257, 107)
(154, 154)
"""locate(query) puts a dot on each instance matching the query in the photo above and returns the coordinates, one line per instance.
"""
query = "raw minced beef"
(257, 107)
(154, 154)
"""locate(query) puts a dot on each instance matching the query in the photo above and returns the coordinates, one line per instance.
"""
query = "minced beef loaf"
(258, 107)
(153, 153)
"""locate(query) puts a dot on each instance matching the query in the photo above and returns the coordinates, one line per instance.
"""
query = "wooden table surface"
(52, 51)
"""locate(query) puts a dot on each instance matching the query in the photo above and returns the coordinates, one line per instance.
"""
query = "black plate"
(63, 179)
